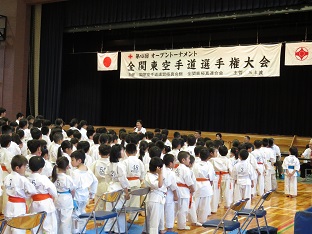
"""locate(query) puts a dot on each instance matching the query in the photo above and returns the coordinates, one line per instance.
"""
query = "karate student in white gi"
(65, 150)
(43, 199)
(243, 176)
(86, 185)
(204, 173)
(291, 166)
(57, 141)
(172, 196)
(270, 160)
(261, 161)
(155, 198)
(135, 172)
(185, 189)
(17, 188)
(65, 189)
(116, 178)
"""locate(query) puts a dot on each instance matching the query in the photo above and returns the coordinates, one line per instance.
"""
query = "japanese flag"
(107, 61)
(297, 54)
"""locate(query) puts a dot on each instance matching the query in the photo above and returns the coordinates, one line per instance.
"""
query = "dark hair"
(199, 132)
(46, 123)
(65, 145)
(140, 121)
(18, 115)
(73, 122)
(35, 133)
(82, 123)
(44, 130)
(160, 145)
(16, 138)
(84, 145)
(18, 161)
(5, 140)
(204, 154)
(77, 134)
(154, 163)
(79, 154)
(74, 140)
(197, 149)
(235, 143)
(175, 143)
(61, 163)
(157, 130)
(58, 136)
(6, 129)
(13, 124)
(37, 123)
(165, 131)
(104, 150)
(33, 145)
(131, 148)
(59, 122)
(293, 151)
(234, 150)
(167, 149)
(200, 141)
(30, 117)
(219, 134)
(2, 110)
(243, 154)
(257, 144)
(96, 138)
(191, 140)
(176, 135)
(168, 158)
(90, 132)
(22, 123)
(265, 142)
(271, 142)
(154, 152)
(248, 137)
(103, 138)
(192, 159)
(143, 147)
(101, 130)
(149, 135)
(36, 163)
(223, 150)
(217, 143)
(183, 155)
(21, 133)
(115, 153)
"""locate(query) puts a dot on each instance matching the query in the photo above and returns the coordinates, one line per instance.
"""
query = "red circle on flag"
(107, 61)
(302, 53)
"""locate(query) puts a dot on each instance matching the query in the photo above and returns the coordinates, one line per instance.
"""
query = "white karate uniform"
(291, 163)
(17, 186)
(223, 167)
(53, 150)
(171, 185)
(14, 148)
(135, 172)
(88, 161)
(83, 134)
(146, 161)
(47, 139)
(86, 185)
(116, 178)
(94, 152)
(253, 162)
(189, 149)
(260, 158)
(44, 186)
(203, 170)
(155, 201)
(64, 202)
(47, 169)
(143, 130)
(183, 178)
(98, 168)
(192, 215)
(243, 175)
(270, 159)
(175, 153)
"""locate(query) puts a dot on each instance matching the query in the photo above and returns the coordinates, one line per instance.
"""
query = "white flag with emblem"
(107, 61)
(297, 54)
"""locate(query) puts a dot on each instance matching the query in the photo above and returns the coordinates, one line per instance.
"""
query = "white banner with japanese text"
(220, 62)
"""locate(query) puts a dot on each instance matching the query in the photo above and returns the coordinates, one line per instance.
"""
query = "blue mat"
(135, 229)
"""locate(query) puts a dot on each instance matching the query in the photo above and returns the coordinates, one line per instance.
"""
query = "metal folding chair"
(2, 225)
(101, 215)
(27, 221)
(257, 212)
(225, 224)
(137, 192)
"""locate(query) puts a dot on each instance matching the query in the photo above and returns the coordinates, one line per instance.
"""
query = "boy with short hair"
(86, 186)
(185, 188)
(243, 176)
(45, 192)
(176, 146)
(18, 188)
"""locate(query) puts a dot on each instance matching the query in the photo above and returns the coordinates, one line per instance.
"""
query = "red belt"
(220, 173)
(260, 163)
(41, 197)
(191, 197)
(176, 165)
(18, 200)
(133, 178)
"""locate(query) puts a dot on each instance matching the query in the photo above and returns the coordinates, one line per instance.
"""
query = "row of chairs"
(256, 212)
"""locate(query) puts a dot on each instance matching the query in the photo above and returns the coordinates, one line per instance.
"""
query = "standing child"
(18, 188)
(185, 188)
(86, 185)
(66, 189)
(172, 196)
(260, 158)
(65, 150)
(43, 199)
(291, 166)
(155, 198)
(98, 168)
(204, 174)
(116, 178)
(243, 176)
(135, 174)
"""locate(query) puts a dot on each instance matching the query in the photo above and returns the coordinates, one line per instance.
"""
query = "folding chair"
(227, 225)
(2, 225)
(136, 210)
(257, 212)
(27, 221)
(100, 215)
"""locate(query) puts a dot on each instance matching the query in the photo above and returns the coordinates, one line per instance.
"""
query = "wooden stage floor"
(280, 210)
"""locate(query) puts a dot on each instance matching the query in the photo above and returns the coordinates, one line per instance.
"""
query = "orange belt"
(17, 199)
(133, 178)
(40, 197)
(4, 168)
(220, 173)
(191, 197)
(176, 165)
(202, 179)
(260, 163)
